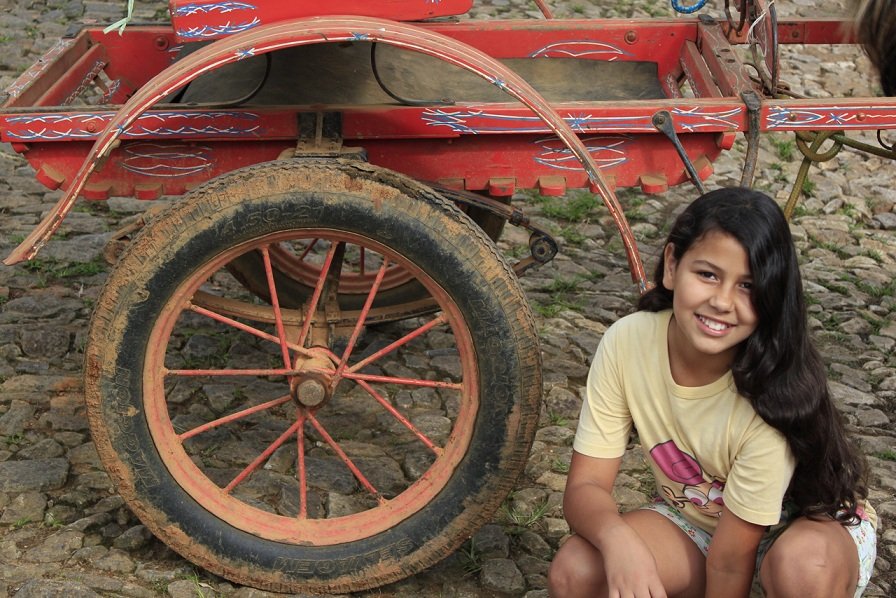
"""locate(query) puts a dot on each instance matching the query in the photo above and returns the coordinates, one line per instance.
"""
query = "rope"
(120, 24)
(750, 35)
(768, 73)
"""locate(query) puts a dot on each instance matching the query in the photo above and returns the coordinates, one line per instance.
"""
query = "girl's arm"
(732, 557)
(592, 513)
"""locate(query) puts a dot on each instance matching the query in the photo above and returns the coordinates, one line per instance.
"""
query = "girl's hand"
(630, 567)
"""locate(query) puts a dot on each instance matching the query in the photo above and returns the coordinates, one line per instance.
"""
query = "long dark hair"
(875, 25)
(777, 368)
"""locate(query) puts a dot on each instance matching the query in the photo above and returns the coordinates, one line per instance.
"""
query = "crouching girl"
(717, 375)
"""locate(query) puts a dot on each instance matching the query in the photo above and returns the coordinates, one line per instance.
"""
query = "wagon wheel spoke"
(229, 372)
(263, 456)
(342, 368)
(227, 419)
(401, 418)
(362, 318)
(308, 249)
(301, 466)
(417, 382)
(440, 319)
(219, 317)
(331, 262)
(275, 304)
(345, 459)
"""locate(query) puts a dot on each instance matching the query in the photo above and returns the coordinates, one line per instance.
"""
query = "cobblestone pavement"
(63, 529)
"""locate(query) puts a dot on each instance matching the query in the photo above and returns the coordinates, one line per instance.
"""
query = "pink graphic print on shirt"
(683, 468)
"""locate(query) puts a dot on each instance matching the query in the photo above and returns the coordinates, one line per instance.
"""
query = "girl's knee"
(812, 562)
(576, 570)
(567, 579)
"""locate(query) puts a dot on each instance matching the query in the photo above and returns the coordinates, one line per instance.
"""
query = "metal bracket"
(662, 120)
(542, 246)
(320, 136)
(754, 106)
(319, 132)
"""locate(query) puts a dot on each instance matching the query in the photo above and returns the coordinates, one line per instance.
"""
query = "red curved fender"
(327, 30)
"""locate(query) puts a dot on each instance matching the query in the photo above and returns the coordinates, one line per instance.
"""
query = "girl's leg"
(811, 559)
(681, 564)
(577, 568)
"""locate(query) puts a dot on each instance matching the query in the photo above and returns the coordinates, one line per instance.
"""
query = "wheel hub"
(310, 387)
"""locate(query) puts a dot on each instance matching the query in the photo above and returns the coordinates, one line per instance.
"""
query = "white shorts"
(863, 534)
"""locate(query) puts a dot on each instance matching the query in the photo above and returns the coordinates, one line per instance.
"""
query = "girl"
(729, 398)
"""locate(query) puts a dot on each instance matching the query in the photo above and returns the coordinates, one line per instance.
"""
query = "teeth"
(713, 325)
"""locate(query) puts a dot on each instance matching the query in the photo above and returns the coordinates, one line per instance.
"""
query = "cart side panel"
(156, 46)
(91, 58)
(500, 164)
(33, 84)
(148, 169)
(203, 21)
(650, 40)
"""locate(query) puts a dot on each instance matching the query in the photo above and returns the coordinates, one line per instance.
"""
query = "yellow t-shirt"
(706, 445)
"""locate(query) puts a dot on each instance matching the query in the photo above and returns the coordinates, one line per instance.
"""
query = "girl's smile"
(712, 307)
(713, 325)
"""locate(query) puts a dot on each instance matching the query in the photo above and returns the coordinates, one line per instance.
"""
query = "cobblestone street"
(64, 531)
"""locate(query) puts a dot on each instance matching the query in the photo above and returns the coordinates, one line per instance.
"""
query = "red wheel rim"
(295, 263)
(300, 420)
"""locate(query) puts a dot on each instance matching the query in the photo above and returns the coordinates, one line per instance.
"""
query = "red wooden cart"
(328, 291)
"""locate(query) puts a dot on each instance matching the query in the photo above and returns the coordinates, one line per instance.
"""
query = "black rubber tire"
(416, 223)
(248, 269)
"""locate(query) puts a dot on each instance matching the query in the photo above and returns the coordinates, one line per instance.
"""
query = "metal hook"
(662, 120)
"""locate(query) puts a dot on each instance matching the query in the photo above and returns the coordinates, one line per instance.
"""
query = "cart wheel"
(296, 268)
(296, 449)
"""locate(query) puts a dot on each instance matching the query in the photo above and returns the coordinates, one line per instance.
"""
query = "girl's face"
(713, 311)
